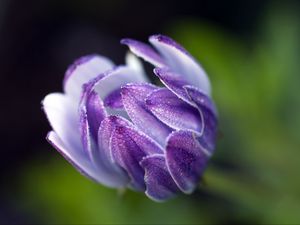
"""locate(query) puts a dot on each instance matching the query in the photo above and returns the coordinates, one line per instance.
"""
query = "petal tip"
(159, 71)
(126, 41)
(168, 41)
(77, 63)
(125, 89)
(157, 37)
(48, 136)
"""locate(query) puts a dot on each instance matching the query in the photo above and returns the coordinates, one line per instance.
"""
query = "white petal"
(82, 163)
(83, 70)
(112, 80)
(116, 79)
(135, 63)
(181, 62)
(61, 112)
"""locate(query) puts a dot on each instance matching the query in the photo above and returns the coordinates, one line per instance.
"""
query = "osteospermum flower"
(121, 131)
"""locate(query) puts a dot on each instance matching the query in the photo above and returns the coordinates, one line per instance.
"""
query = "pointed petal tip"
(161, 38)
(174, 82)
(125, 89)
(144, 51)
(181, 61)
(127, 41)
(48, 136)
(82, 71)
(168, 41)
(157, 37)
(159, 71)
(78, 62)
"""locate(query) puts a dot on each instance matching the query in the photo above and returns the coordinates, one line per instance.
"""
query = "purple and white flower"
(121, 131)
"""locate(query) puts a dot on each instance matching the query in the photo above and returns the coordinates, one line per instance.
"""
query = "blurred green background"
(253, 177)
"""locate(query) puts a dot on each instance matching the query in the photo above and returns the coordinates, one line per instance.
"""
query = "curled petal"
(196, 98)
(144, 51)
(174, 82)
(82, 163)
(133, 97)
(116, 78)
(209, 112)
(83, 70)
(172, 111)
(129, 147)
(181, 62)
(160, 186)
(113, 81)
(108, 84)
(186, 159)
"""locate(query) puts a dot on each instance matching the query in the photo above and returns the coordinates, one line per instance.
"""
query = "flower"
(121, 131)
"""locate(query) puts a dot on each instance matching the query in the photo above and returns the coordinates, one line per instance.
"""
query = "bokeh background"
(251, 51)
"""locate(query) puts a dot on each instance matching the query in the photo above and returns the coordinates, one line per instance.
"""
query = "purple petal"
(160, 186)
(186, 159)
(172, 111)
(97, 155)
(114, 80)
(106, 85)
(114, 100)
(181, 62)
(82, 163)
(83, 70)
(62, 114)
(92, 112)
(133, 97)
(76, 158)
(174, 83)
(128, 148)
(200, 98)
(95, 113)
(88, 143)
(107, 127)
(209, 112)
(144, 51)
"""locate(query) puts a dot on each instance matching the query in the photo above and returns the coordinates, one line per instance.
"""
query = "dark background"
(39, 39)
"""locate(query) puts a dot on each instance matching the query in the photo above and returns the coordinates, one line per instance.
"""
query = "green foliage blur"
(254, 174)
